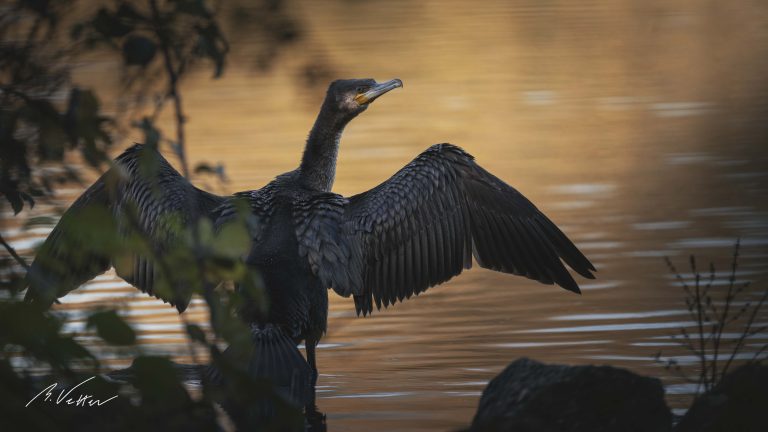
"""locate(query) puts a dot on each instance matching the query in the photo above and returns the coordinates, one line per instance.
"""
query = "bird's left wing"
(423, 225)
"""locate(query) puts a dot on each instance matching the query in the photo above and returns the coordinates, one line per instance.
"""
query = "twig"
(724, 317)
(13, 253)
(699, 320)
(756, 357)
(745, 333)
(173, 93)
(710, 349)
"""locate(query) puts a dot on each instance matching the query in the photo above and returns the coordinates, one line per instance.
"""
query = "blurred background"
(639, 127)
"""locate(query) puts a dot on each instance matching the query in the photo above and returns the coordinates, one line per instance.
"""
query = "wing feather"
(158, 200)
(423, 225)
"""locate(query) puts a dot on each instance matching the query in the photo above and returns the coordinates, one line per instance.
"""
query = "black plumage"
(416, 230)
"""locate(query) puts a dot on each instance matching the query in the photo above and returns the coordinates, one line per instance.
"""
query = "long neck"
(318, 164)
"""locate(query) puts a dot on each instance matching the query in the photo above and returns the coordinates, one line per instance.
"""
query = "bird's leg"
(309, 345)
(315, 419)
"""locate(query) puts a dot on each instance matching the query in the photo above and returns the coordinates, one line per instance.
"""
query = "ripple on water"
(26, 243)
(714, 283)
(687, 158)
(584, 189)
(716, 242)
(611, 327)
(726, 335)
(621, 102)
(78, 296)
(615, 316)
(176, 328)
(723, 211)
(683, 360)
(758, 223)
(599, 245)
(549, 344)
(465, 383)
(681, 109)
(682, 389)
(370, 395)
(651, 253)
(539, 97)
(599, 285)
(573, 205)
(661, 225)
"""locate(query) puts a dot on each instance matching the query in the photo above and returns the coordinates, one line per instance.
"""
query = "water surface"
(639, 128)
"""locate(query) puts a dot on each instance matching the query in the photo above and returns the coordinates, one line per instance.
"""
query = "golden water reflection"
(638, 127)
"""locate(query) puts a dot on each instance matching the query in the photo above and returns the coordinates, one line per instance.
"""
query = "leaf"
(128, 12)
(95, 226)
(110, 25)
(112, 328)
(76, 31)
(205, 234)
(205, 168)
(29, 326)
(14, 198)
(212, 44)
(287, 31)
(47, 221)
(64, 349)
(84, 125)
(38, 6)
(157, 380)
(35, 192)
(196, 333)
(176, 148)
(28, 198)
(138, 50)
(149, 165)
(216, 170)
(192, 7)
(151, 134)
(232, 240)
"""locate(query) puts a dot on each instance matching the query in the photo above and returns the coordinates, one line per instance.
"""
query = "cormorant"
(414, 231)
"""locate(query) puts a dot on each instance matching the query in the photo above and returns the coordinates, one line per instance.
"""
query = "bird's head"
(353, 96)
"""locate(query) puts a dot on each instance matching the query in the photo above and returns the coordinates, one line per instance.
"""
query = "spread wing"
(423, 226)
(140, 193)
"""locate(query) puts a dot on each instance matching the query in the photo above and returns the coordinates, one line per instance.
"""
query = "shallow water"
(639, 128)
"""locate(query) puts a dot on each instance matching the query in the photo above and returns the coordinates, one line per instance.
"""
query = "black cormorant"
(416, 230)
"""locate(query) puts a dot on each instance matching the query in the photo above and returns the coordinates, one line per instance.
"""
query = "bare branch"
(13, 253)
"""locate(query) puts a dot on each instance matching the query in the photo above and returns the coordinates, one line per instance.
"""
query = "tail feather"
(276, 358)
(273, 357)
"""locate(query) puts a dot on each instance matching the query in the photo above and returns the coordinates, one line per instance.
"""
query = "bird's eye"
(362, 89)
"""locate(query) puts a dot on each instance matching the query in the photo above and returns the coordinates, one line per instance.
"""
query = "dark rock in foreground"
(532, 396)
(738, 404)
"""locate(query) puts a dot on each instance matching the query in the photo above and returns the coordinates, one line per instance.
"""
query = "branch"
(756, 358)
(173, 93)
(13, 253)
(747, 331)
(700, 321)
(723, 320)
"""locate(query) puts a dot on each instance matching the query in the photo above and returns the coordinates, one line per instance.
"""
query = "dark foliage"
(158, 43)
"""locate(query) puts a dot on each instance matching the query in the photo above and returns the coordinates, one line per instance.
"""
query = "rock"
(738, 404)
(532, 396)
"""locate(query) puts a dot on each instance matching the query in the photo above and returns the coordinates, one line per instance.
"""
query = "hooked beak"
(377, 90)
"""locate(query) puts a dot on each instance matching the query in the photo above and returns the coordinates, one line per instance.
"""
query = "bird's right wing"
(141, 194)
